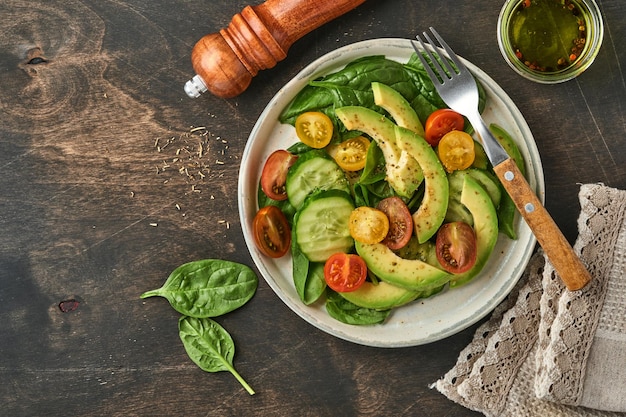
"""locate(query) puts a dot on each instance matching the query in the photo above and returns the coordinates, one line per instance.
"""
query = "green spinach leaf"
(346, 312)
(209, 346)
(208, 288)
(308, 277)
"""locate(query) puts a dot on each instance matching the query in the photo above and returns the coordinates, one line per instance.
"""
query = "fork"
(457, 88)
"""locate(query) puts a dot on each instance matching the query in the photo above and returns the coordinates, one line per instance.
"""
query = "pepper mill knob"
(256, 39)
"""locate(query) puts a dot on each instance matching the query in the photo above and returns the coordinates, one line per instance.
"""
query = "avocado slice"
(398, 107)
(478, 202)
(403, 172)
(411, 274)
(456, 210)
(432, 211)
(381, 296)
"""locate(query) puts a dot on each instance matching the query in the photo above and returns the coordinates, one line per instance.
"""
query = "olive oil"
(548, 35)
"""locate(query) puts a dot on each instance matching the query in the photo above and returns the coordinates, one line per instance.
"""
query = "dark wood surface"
(93, 207)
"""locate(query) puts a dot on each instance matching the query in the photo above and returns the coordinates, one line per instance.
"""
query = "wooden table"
(94, 207)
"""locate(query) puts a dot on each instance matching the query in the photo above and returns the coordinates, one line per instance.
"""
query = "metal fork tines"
(457, 88)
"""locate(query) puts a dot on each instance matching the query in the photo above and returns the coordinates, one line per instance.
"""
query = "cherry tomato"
(271, 232)
(274, 174)
(400, 222)
(441, 122)
(350, 154)
(456, 150)
(456, 247)
(314, 129)
(368, 225)
(345, 272)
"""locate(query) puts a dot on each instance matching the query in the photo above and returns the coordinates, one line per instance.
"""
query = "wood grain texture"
(556, 247)
(94, 207)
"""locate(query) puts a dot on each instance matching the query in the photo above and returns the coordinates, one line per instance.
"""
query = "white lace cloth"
(547, 351)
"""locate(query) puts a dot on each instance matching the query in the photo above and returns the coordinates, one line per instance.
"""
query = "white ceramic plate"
(422, 321)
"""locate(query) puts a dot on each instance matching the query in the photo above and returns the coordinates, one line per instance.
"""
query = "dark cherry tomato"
(271, 232)
(456, 247)
(400, 222)
(345, 272)
(441, 122)
(274, 174)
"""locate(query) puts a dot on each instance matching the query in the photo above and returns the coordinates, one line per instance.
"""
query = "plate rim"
(317, 68)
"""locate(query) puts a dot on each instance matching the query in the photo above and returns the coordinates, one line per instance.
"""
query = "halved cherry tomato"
(368, 225)
(314, 129)
(456, 150)
(456, 247)
(350, 154)
(441, 122)
(345, 272)
(274, 174)
(400, 222)
(271, 232)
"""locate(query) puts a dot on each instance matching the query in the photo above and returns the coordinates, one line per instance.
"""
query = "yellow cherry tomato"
(350, 154)
(314, 129)
(368, 225)
(456, 150)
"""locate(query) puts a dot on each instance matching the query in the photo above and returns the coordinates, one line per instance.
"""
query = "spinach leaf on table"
(209, 346)
(208, 288)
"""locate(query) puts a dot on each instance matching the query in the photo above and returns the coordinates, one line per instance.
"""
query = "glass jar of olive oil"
(550, 41)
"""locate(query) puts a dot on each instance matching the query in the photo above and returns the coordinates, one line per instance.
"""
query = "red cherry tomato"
(400, 222)
(441, 122)
(274, 174)
(345, 272)
(456, 247)
(271, 232)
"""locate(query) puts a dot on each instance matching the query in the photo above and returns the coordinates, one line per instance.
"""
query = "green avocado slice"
(403, 173)
(381, 296)
(478, 202)
(411, 274)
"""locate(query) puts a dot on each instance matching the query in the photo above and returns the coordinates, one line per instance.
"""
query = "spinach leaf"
(209, 346)
(375, 169)
(207, 288)
(308, 277)
(349, 86)
(285, 206)
(346, 312)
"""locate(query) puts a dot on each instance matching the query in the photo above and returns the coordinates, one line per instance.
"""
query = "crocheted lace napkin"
(546, 351)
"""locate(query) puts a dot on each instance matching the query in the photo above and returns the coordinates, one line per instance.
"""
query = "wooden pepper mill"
(256, 39)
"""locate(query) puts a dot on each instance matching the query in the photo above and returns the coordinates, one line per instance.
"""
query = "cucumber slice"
(314, 170)
(321, 226)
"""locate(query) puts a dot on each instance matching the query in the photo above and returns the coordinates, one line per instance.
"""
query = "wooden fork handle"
(557, 249)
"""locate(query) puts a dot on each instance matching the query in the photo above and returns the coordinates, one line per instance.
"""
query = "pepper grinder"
(256, 39)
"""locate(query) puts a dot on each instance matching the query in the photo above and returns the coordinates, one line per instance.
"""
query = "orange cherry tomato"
(400, 222)
(345, 272)
(350, 154)
(441, 122)
(274, 174)
(456, 247)
(314, 129)
(456, 150)
(368, 225)
(271, 232)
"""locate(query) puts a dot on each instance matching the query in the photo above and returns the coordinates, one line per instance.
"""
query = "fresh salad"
(385, 198)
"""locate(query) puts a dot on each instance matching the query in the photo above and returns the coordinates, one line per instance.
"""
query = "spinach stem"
(241, 380)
